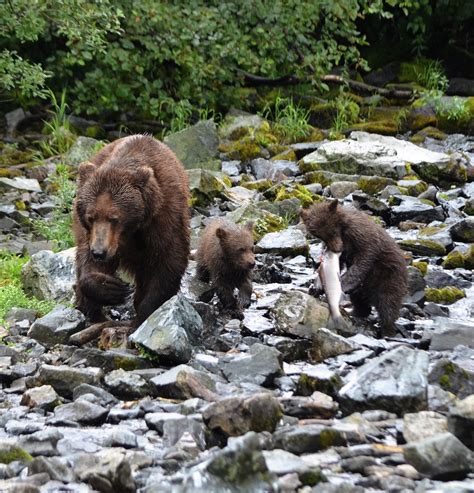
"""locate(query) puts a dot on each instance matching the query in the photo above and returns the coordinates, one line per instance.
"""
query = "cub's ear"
(333, 205)
(249, 226)
(85, 170)
(221, 233)
(304, 214)
(141, 176)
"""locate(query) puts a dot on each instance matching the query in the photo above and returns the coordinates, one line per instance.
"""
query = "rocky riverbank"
(275, 401)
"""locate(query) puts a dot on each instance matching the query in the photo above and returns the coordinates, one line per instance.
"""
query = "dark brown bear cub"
(131, 212)
(376, 270)
(225, 258)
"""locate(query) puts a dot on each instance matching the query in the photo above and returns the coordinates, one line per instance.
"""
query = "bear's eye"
(242, 250)
(113, 220)
(90, 218)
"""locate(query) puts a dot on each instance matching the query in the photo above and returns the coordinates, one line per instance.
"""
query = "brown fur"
(225, 258)
(131, 212)
(377, 274)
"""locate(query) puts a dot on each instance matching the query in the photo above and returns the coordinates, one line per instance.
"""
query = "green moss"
(270, 223)
(312, 477)
(299, 192)
(328, 438)
(421, 120)
(306, 385)
(316, 135)
(446, 295)
(14, 453)
(260, 185)
(373, 184)
(454, 260)
(421, 266)
(428, 202)
(382, 127)
(288, 155)
(454, 172)
(417, 188)
(469, 258)
(431, 132)
(423, 247)
(320, 177)
(444, 382)
(126, 363)
(469, 208)
(9, 173)
(432, 230)
(244, 150)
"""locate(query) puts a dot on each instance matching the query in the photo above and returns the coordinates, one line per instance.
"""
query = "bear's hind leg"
(361, 304)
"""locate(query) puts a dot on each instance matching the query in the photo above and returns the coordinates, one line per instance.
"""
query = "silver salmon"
(330, 278)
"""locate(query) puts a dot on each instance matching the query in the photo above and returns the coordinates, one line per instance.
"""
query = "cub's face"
(323, 221)
(237, 246)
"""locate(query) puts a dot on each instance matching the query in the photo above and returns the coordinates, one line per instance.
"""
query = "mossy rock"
(321, 177)
(469, 207)
(446, 296)
(259, 185)
(307, 384)
(423, 247)
(431, 132)
(288, 155)
(243, 150)
(297, 191)
(9, 172)
(381, 127)
(372, 185)
(412, 187)
(420, 118)
(456, 259)
(12, 453)
(205, 185)
(457, 121)
(316, 135)
(421, 266)
(269, 223)
(453, 172)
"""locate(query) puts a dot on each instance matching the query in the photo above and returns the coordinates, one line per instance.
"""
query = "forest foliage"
(143, 57)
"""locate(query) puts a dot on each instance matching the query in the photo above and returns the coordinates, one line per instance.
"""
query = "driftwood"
(356, 86)
(94, 331)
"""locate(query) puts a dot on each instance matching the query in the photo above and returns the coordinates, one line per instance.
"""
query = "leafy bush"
(144, 56)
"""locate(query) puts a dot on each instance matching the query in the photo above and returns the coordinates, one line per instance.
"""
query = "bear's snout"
(99, 254)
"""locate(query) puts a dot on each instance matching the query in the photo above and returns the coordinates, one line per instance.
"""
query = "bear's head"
(112, 205)
(237, 246)
(323, 221)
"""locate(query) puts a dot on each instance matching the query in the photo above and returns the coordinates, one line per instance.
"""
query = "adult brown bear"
(131, 212)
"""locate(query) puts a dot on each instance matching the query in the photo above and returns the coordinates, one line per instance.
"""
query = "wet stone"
(42, 442)
(126, 385)
(442, 456)
(318, 378)
(65, 379)
(282, 462)
(461, 421)
(53, 466)
(418, 426)
(260, 365)
(451, 333)
(57, 326)
(235, 416)
(80, 411)
(317, 405)
(307, 439)
(43, 397)
(289, 242)
(396, 381)
(327, 344)
(463, 230)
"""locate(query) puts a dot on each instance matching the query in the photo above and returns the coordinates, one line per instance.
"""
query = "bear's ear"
(221, 233)
(86, 170)
(333, 205)
(249, 226)
(141, 176)
(304, 214)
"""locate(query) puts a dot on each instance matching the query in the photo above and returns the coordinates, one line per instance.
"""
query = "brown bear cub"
(130, 212)
(225, 257)
(376, 270)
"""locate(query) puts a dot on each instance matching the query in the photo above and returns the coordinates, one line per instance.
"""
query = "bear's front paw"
(244, 301)
(106, 289)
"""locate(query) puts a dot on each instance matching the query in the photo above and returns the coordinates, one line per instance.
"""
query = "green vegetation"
(447, 295)
(58, 228)
(430, 74)
(290, 120)
(347, 112)
(11, 292)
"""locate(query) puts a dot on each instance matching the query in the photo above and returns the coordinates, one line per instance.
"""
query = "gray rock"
(156, 421)
(123, 438)
(341, 189)
(20, 183)
(299, 314)
(282, 462)
(442, 456)
(439, 233)
(65, 379)
(126, 384)
(425, 424)
(438, 278)
(191, 287)
(451, 333)
(44, 397)
(184, 382)
(11, 451)
(53, 466)
(289, 242)
(170, 331)
(231, 168)
(318, 378)
(416, 285)
(317, 405)
(57, 326)
(50, 276)
(396, 381)
(107, 471)
(104, 398)
(455, 373)
(260, 365)
(234, 416)
(414, 209)
(373, 154)
(42, 442)
(241, 195)
(327, 344)
(111, 359)
(14, 118)
(82, 150)
(237, 125)
(265, 169)
(463, 230)
(206, 184)
(196, 146)
(80, 411)
(306, 439)
(461, 421)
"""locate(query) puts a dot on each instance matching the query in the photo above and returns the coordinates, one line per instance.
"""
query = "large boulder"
(396, 381)
(373, 154)
(196, 146)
